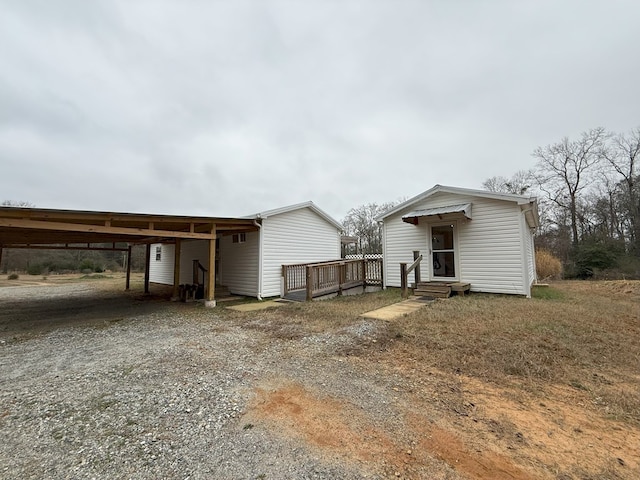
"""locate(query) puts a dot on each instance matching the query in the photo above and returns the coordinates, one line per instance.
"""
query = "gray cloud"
(228, 108)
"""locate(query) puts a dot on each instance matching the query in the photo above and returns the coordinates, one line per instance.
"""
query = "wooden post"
(416, 254)
(128, 283)
(210, 284)
(342, 276)
(177, 253)
(403, 280)
(146, 269)
(364, 272)
(286, 280)
(1, 256)
(309, 282)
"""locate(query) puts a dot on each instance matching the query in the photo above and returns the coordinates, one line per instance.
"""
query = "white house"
(250, 262)
(471, 236)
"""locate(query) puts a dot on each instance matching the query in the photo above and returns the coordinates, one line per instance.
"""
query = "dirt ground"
(347, 402)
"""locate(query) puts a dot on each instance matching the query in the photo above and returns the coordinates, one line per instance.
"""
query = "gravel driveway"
(98, 385)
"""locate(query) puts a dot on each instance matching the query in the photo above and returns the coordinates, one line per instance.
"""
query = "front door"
(443, 260)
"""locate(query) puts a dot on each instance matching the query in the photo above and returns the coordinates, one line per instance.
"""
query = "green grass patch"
(546, 293)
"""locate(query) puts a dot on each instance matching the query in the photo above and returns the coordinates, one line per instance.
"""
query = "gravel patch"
(116, 390)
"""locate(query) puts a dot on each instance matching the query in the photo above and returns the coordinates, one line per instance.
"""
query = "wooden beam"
(176, 270)
(65, 247)
(88, 228)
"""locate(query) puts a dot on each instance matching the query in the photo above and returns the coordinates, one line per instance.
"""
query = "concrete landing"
(397, 310)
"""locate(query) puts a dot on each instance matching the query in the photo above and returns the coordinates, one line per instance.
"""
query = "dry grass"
(586, 338)
(580, 334)
(548, 266)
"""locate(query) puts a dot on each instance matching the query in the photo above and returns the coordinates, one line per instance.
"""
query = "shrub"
(13, 276)
(35, 269)
(547, 265)
(590, 257)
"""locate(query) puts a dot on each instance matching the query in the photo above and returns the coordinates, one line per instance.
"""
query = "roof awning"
(451, 212)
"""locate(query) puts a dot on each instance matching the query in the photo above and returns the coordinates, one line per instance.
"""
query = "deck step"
(432, 292)
(441, 289)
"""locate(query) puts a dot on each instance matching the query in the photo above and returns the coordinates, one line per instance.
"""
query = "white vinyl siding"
(191, 250)
(239, 264)
(161, 271)
(297, 236)
(489, 248)
(401, 239)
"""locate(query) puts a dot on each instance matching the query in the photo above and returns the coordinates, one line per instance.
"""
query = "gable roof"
(290, 208)
(519, 199)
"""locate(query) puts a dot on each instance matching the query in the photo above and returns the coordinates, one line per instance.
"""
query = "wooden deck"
(307, 281)
(441, 289)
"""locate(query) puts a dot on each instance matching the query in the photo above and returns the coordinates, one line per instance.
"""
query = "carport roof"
(21, 226)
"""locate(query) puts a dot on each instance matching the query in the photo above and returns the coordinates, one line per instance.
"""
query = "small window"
(158, 254)
(239, 237)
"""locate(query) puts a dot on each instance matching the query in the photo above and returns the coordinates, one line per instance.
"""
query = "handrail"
(196, 275)
(404, 273)
(414, 265)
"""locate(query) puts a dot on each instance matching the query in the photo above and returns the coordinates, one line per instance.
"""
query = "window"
(239, 237)
(158, 254)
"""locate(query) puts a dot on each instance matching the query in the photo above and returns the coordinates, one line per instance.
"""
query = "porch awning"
(452, 212)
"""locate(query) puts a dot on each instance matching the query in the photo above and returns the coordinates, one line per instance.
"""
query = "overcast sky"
(228, 108)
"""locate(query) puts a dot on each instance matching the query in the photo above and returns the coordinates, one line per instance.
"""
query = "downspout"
(259, 227)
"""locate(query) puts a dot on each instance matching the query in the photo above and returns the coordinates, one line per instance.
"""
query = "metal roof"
(464, 209)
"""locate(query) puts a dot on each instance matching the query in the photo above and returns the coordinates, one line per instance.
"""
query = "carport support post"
(176, 271)
(128, 268)
(147, 261)
(210, 297)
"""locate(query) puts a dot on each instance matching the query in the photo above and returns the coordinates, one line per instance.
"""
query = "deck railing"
(323, 278)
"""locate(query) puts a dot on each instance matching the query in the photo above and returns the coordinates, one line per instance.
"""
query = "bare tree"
(360, 222)
(623, 154)
(562, 171)
(519, 183)
(16, 203)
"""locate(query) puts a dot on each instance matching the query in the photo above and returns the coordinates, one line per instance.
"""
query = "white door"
(443, 254)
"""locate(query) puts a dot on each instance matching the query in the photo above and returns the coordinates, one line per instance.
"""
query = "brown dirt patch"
(339, 429)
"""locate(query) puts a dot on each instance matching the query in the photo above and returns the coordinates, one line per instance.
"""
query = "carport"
(38, 228)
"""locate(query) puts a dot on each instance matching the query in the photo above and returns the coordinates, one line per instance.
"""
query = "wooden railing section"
(405, 271)
(323, 278)
(197, 268)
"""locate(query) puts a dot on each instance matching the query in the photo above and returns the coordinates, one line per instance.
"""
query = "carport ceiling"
(24, 227)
